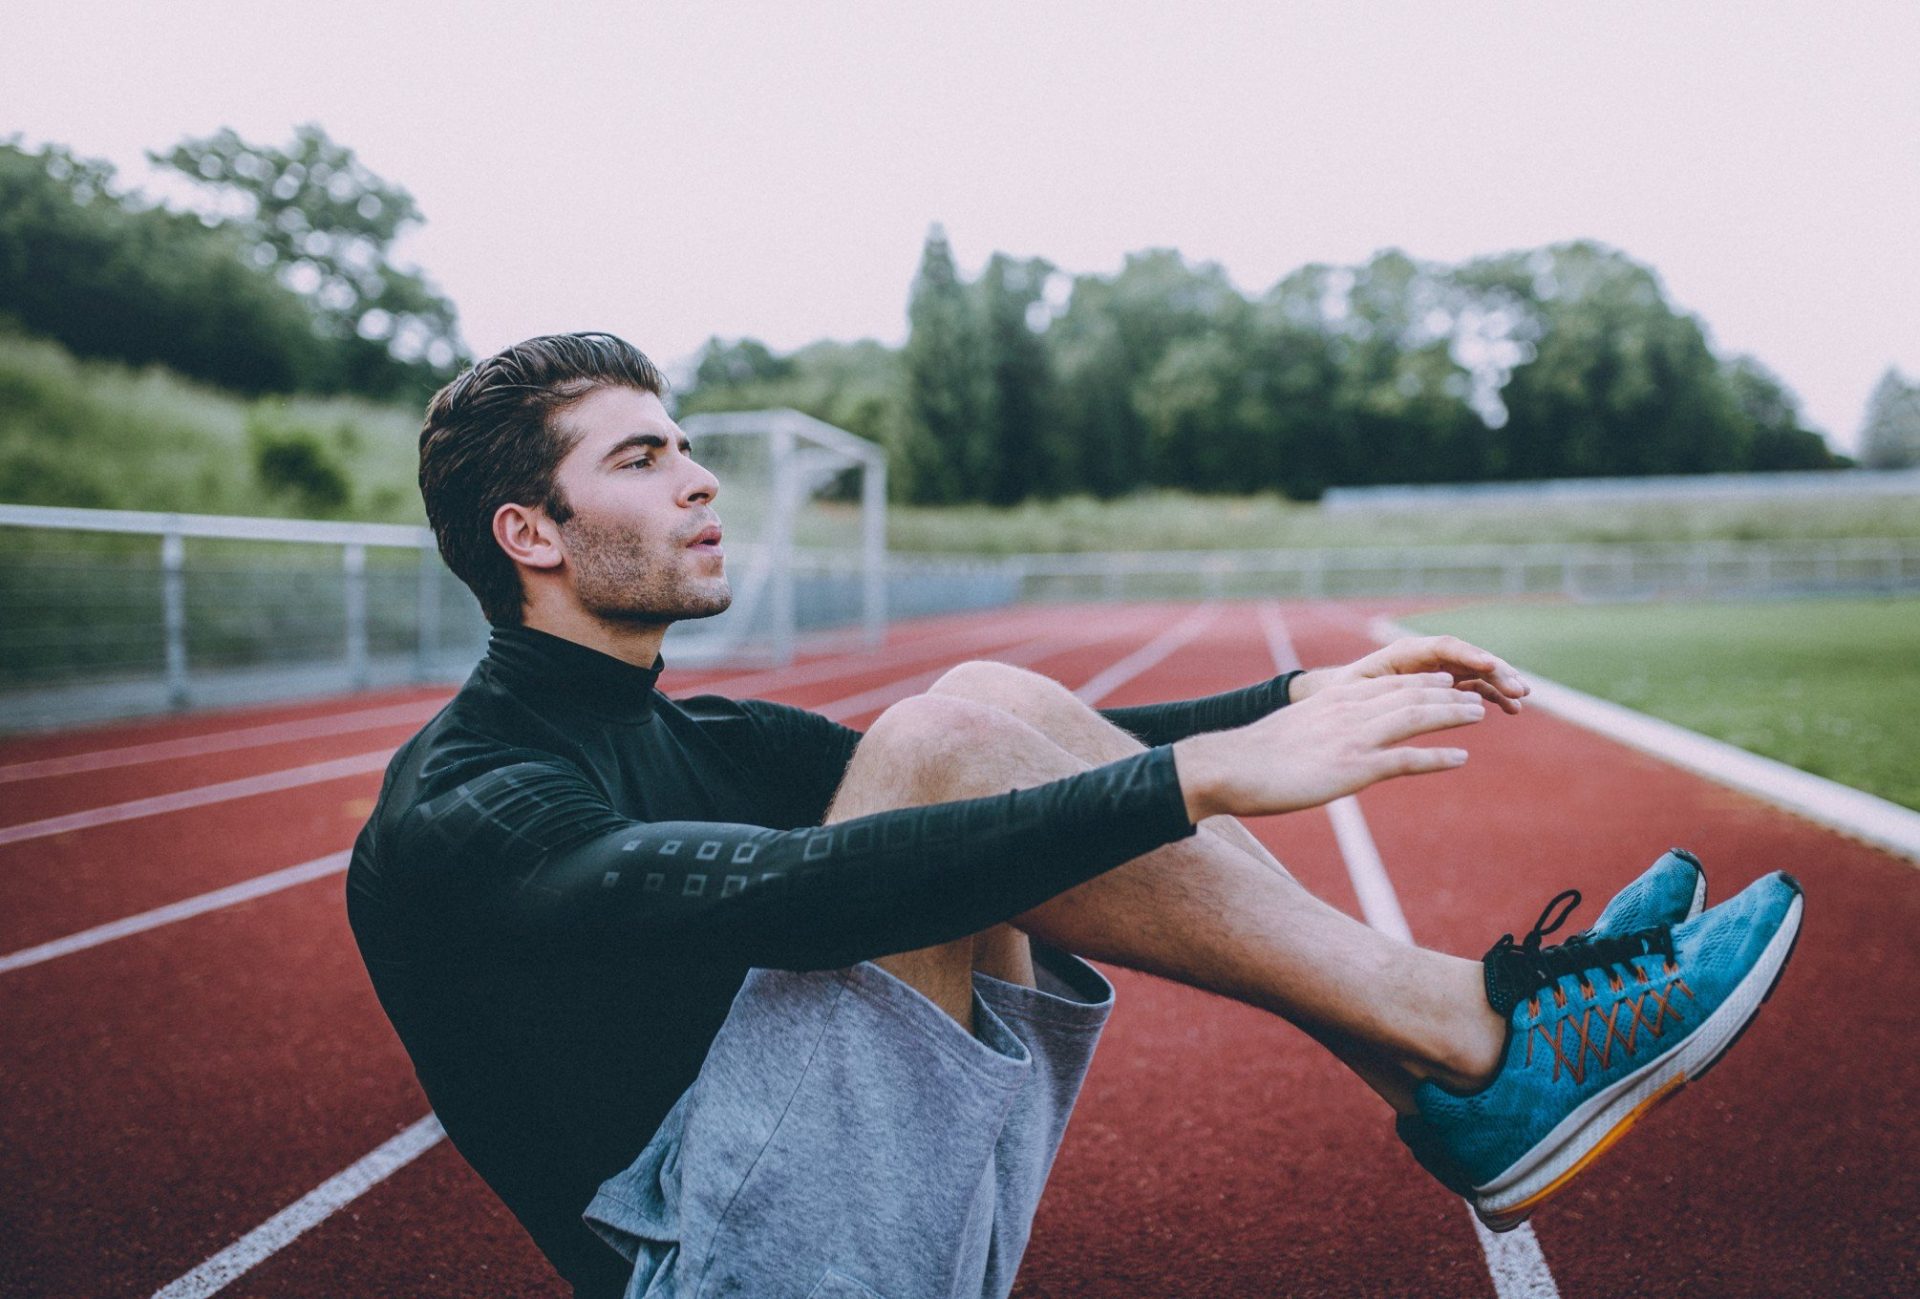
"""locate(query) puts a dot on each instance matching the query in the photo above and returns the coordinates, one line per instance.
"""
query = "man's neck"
(635, 643)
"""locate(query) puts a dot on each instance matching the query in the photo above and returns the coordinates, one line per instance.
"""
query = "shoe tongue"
(1509, 977)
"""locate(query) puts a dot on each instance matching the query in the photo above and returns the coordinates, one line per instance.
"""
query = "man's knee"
(1003, 686)
(923, 740)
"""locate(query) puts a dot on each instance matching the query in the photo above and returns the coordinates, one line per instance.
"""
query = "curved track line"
(1872, 820)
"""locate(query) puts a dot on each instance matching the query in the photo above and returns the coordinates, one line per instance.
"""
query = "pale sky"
(675, 170)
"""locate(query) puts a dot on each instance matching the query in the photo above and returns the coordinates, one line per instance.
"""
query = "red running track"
(167, 1092)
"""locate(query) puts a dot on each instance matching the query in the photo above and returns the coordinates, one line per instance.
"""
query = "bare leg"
(1056, 712)
(877, 782)
(1215, 912)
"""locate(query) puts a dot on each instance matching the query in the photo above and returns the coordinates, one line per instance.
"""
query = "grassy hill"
(101, 435)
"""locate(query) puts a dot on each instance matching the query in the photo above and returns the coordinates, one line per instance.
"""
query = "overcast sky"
(675, 170)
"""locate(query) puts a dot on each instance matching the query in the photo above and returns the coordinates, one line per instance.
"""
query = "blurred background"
(1155, 347)
(1602, 327)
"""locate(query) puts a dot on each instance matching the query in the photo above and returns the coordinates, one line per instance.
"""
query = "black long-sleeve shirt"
(568, 875)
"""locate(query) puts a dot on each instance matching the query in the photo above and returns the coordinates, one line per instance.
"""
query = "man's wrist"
(1305, 684)
(1191, 765)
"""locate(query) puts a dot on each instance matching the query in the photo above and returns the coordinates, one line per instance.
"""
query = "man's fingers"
(1392, 703)
(1486, 690)
(1453, 650)
(1405, 723)
(1413, 761)
(1372, 687)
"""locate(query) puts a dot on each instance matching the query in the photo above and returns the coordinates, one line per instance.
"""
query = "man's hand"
(1337, 742)
(1468, 666)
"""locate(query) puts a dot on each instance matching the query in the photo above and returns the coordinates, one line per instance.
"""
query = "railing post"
(786, 491)
(427, 597)
(873, 549)
(173, 599)
(354, 560)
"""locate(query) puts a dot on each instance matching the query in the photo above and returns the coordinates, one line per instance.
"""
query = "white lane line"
(1118, 674)
(1514, 1261)
(305, 1213)
(1379, 904)
(1851, 811)
(231, 895)
(246, 787)
(250, 737)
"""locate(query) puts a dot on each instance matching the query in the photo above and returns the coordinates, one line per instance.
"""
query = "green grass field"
(1167, 520)
(1829, 686)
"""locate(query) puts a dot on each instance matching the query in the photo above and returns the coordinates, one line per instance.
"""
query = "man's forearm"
(1155, 724)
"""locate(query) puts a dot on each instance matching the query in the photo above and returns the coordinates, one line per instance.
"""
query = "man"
(724, 998)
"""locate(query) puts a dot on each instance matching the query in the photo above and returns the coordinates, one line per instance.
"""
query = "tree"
(950, 445)
(1776, 437)
(1022, 462)
(729, 365)
(107, 277)
(324, 224)
(1618, 382)
(1890, 438)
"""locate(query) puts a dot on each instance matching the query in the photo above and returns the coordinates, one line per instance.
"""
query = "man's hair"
(493, 437)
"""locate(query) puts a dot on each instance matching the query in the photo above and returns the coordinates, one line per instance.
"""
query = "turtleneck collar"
(551, 670)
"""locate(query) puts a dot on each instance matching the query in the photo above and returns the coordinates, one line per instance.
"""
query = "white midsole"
(1600, 1113)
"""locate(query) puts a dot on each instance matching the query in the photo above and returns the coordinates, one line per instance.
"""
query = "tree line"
(281, 281)
(1565, 361)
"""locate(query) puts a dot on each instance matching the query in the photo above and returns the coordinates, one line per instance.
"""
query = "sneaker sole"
(1591, 1131)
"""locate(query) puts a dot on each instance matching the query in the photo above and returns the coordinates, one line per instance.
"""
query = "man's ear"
(529, 536)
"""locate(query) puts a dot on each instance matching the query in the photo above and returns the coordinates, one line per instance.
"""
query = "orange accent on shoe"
(1508, 1219)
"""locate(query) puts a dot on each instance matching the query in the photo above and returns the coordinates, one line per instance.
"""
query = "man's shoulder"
(474, 735)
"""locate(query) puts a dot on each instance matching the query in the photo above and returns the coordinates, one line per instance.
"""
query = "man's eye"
(641, 463)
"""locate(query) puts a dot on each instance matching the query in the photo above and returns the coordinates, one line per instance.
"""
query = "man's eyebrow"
(651, 441)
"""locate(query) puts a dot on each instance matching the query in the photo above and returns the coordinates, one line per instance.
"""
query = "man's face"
(643, 543)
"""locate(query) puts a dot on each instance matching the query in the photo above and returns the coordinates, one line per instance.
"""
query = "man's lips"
(706, 539)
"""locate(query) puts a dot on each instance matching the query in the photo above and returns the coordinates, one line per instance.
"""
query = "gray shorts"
(846, 1139)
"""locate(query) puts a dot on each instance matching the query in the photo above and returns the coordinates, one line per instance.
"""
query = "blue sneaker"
(1672, 890)
(1600, 1029)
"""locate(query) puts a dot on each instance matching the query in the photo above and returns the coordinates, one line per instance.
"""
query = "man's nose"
(701, 485)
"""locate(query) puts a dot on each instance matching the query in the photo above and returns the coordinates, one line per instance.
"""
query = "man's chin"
(706, 604)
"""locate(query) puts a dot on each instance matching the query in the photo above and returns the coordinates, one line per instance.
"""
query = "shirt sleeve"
(1164, 723)
(534, 850)
(808, 753)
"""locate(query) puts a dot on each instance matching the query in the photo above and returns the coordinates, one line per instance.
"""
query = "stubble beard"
(619, 577)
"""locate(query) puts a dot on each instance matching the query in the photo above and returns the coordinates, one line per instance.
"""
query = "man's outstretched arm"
(528, 847)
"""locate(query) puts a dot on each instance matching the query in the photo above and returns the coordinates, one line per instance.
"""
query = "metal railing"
(110, 614)
(1598, 571)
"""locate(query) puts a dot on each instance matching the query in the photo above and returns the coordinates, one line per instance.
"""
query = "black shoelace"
(1518, 970)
